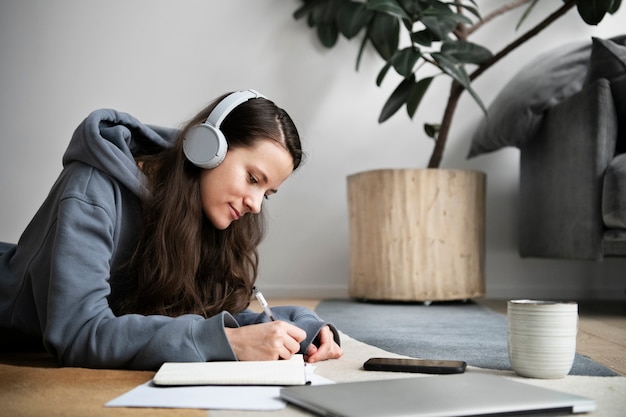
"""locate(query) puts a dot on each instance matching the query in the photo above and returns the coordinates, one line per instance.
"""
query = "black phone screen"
(426, 366)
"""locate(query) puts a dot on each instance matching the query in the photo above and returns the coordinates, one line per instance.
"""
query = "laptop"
(469, 394)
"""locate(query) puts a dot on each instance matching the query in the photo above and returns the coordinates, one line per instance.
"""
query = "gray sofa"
(566, 112)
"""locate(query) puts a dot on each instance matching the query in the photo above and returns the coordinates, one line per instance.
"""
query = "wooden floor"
(601, 331)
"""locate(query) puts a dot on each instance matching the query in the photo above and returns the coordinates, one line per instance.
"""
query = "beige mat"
(609, 392)
(32, 385)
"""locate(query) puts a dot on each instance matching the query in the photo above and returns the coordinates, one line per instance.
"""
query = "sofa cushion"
(618, 89)
(561, 177)
(608, 60)
(515, 114)
(614, 194)
(614, 242)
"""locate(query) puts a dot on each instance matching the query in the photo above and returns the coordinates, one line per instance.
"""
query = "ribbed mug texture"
(542, 337)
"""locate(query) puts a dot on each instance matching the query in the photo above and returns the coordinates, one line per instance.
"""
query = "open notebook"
(280, 372)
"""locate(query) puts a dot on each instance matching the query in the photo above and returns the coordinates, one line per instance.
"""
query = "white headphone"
(205, 145)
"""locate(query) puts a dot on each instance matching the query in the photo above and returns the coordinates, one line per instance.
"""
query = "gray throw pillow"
(516, 112)
(614, 194)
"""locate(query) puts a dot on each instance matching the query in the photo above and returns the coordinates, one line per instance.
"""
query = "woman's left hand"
(326, 347)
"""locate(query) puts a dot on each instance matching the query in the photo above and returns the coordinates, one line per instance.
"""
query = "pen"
(261, 300)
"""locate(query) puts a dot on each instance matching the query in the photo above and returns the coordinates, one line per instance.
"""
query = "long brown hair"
(182, 263)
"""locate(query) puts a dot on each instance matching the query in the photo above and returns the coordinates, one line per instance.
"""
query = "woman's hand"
(326, 349)
(265, 341)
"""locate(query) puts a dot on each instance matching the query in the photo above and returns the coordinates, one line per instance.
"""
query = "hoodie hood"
(106, 140)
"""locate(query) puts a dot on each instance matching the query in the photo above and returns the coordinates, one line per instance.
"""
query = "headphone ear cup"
(205, 146)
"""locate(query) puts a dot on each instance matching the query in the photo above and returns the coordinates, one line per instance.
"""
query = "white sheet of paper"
(205, 397)
(210, 397)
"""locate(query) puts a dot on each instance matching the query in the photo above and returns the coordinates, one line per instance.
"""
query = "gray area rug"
(462, 331)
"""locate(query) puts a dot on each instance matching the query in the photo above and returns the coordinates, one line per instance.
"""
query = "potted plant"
(418, 235)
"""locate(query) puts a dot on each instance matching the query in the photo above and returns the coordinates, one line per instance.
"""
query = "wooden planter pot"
(417, 234)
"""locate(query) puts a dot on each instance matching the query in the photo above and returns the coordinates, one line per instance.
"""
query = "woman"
(145, 250)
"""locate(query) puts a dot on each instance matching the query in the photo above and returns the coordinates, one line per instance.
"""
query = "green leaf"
(324, 11)
(321, 13)
(472, 9)
(432, 130)
(383, 72)
(413, 7)
(615, 6)
(390, 7)
(397, 99)
(302, 11)
(441, 20)
(476, 98)
(451, 67)
(327, 34)
(593, 11)
(423, 37)
(466, 52)
(404, 60)
(440, 28)
(352, 17)
(416, 95)
(526, 13)
(457, 71)
(361, 50)
(384, 32)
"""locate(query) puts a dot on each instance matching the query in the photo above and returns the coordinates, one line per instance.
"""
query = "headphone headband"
(228, 104)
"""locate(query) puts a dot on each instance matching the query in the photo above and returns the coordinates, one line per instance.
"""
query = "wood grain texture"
(417, 235)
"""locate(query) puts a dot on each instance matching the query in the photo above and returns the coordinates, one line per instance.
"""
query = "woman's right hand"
(265, 341)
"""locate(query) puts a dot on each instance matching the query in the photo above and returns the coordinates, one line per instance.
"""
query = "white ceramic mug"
(542, 337)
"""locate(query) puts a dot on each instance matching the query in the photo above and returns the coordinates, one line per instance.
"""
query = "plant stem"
(457, 89)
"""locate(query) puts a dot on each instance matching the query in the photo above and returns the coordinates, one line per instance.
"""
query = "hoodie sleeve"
(299, 316)
(79, 326)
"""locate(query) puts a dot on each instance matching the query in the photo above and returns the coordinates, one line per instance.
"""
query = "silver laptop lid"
(468, 394)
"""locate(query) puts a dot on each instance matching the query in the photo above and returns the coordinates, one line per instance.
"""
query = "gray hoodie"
(60, 280)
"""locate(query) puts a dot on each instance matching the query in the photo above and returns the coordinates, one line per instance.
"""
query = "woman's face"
(240, 183)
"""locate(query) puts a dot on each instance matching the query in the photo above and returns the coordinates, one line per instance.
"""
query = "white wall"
(162, 60)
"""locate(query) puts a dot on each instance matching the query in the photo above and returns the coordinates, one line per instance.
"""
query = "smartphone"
(424, 366)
